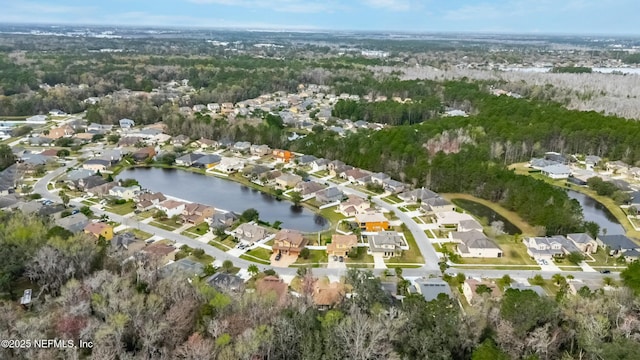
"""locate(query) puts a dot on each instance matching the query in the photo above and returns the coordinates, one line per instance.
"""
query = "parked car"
(605, 271)
(75, 212)
(278, 256)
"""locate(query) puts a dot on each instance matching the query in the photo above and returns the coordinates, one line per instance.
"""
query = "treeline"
(572, 70)
(134, 310)
(388, 112)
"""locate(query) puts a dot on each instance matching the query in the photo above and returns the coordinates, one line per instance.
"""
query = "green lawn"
(602, 259)
(411, 256)
(260, 253)
(316, 257)
(122, 209)
(139, 233)
(163, 226)
(219, 245)
(413, 207)
(331, 215)
(362, 258)
(513, 253)
(199, 229)
(392, 199)
(321, 173)
(204, 259)
(144, 215)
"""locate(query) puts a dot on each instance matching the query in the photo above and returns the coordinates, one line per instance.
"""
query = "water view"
(227, 195)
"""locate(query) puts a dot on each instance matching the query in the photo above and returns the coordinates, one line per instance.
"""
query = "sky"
(491, 16)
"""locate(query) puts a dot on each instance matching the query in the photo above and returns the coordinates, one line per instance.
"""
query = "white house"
(229, 165)
(475, 244)
(171, 207)
(126, 193)
(126, 123)
(558, 171)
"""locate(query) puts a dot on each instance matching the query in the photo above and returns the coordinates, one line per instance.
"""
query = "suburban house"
(591, 161)
(95, 128)
(273, 287)
(584, 242)
(74, 223)
(592, 285)
(144, 153)
(470, 290)
(185, 267)
(62, 131)
(308, 187)
(558, 171)
(226, 283)
(180, 140)
(100, 190)
(618, 167)
(98, 229)
(148, 200)
(436, 204)
(541, 163)
(339, 169)
(379, 178)
(319, 164)
(195, 213)
(417, 195)
(229, 165)
(260, 150)
(535, 288)
(288, 180)
(469, 225)
(242, 146)
(431, 288)
(8, 178)
(341, 244)
(329, 195)
(206, 143)
(393, 186)
(451, 219)
(353, 205)
(250, 233)
(387, 243)
(549, 247)
(289, 242)
(356, 176)
(126, 123)
(207, 161)
(188, 159)
(282, 155)
(617, 244)
(128, 141)
(89, 182)
(372, 222)
(171, 207)
(122, 241)
(327, 296)
(113, 156)
(221, 220)
(306, 159)
(475, 244)
(126, 193)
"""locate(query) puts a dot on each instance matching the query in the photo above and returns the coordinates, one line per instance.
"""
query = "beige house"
(126, 193)
(195, 213)
(289, 242)
(584, 242)
(250, 233)
(287, 180)
(475, 244)
(341, 244)
(353, 205)
(471, 293)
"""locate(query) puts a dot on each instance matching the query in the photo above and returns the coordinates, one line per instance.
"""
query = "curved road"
(428, 252)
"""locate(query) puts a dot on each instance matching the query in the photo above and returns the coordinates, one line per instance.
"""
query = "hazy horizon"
(524, 17)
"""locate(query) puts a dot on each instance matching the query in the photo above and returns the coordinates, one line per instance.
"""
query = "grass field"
(139, 233)
(163, 226)
(316, 257)
(392, 199)
(122, 209)
(362, 258)
(411, 256)
(199, 229)
(514, 218)
(259, 255)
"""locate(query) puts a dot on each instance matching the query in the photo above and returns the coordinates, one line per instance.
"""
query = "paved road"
(429, 253)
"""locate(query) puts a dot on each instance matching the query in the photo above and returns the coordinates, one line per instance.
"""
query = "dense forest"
(128, 309)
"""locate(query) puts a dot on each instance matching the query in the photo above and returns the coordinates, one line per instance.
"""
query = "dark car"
(605, 271)
(278, 256)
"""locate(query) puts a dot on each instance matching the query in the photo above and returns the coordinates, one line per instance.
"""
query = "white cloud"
(291, 6)
(393, 5)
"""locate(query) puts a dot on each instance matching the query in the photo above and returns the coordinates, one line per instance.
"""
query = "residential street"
(428, 252)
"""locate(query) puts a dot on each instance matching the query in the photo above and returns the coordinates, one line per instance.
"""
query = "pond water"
(598, 213)
(480, 211)
(227, 195)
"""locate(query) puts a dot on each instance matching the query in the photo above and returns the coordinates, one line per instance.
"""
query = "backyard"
(514, 253)
(411, 256)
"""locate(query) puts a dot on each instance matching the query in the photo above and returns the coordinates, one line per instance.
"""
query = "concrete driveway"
(335, 264)
(378, 261)
(285, 260)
